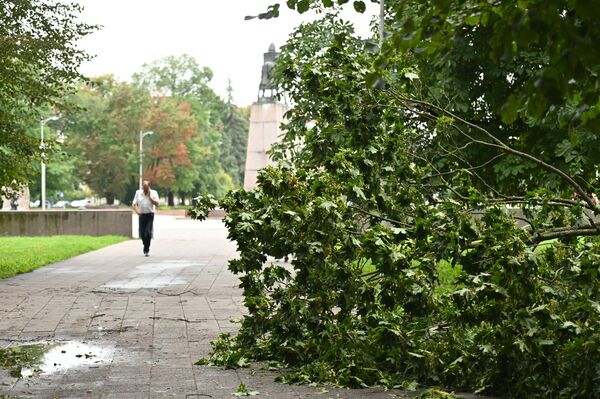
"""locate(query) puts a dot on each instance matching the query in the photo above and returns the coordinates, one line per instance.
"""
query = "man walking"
(144, 204)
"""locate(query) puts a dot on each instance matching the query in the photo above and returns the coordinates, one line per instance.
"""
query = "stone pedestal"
(265, 119)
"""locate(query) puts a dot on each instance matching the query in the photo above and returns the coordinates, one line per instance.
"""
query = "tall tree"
(206, 156)
(38, 66)
(170, 165)
(235, 140)
(182, 78)
(62, 177)
(106, 135)
(176, 77)
(181, 157)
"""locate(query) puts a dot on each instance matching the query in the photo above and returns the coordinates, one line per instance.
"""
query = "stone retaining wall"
(63, 222)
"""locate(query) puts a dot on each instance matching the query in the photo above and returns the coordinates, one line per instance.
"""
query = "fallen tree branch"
(497, 143)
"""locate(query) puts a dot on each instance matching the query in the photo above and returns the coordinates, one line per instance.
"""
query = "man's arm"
(134, 203)
(154, 198)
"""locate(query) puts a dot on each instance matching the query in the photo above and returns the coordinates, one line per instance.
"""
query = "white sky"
(213, 31)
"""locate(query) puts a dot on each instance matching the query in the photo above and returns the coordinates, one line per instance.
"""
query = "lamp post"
(42, 147)
(142, 135)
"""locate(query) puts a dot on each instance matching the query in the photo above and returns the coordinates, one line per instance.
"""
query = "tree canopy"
(38, 66)
(197, 141)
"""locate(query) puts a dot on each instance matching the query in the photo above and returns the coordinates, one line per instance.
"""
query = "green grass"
(447, 274)
(169, 208)
(24, 254)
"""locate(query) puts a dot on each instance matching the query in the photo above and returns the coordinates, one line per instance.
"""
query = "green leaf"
(359, 6)
(371, 78)
(328, 205)
(473, 19)
(510, 110)
(359, 192)
(303, 6)
(521, 345)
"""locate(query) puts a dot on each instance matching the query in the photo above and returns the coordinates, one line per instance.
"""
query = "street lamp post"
(142, 135)
(42, 147)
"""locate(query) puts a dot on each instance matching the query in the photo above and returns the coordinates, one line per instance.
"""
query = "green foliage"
(61, 175)
(103, 135)
(225, 354)
(202, 206)
(176, 77)
(24, 254)
(496, 65)
(170, 167)
(38, 66)
(433, 393)
(198, 143)
(215, 150)
(391, 200)
(15, 359)
(235, 141)
(565, 61)
(243, 391)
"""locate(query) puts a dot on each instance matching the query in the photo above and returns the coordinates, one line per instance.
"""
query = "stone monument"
(14, 200)
(266, 114)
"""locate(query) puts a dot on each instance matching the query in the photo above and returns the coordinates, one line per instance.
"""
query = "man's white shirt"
(143, 201)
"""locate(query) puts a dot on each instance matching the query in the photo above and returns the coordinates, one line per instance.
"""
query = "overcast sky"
(213, 31)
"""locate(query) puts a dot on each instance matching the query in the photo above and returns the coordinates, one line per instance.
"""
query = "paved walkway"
(145, 322)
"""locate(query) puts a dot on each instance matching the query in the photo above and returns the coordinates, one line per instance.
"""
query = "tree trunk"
(181, 199)
(171, 201)
(110, 200)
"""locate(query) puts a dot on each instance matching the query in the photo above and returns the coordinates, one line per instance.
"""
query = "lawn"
(24, 254)
(170, 208)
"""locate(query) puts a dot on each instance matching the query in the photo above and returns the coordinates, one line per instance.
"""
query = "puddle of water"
(154, 275)
(140, 282)
(63, 270)
(164, 266)
(51, 358)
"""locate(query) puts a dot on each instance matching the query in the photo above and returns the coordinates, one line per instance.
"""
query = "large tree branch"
(469, 169)
(523, 200)
(392, 221)
(564, 233)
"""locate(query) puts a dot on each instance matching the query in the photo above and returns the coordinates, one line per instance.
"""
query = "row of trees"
(435, 197)
(199, 142)
(198, 145)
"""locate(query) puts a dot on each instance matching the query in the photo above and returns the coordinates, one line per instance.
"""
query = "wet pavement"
(115, 324)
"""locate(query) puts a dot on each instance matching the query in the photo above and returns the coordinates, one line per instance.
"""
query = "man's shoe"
(146, 253)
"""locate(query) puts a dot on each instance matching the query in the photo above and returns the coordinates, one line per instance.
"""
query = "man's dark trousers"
(146, 226)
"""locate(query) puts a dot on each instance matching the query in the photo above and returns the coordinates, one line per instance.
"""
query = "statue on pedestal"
(266, 81)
